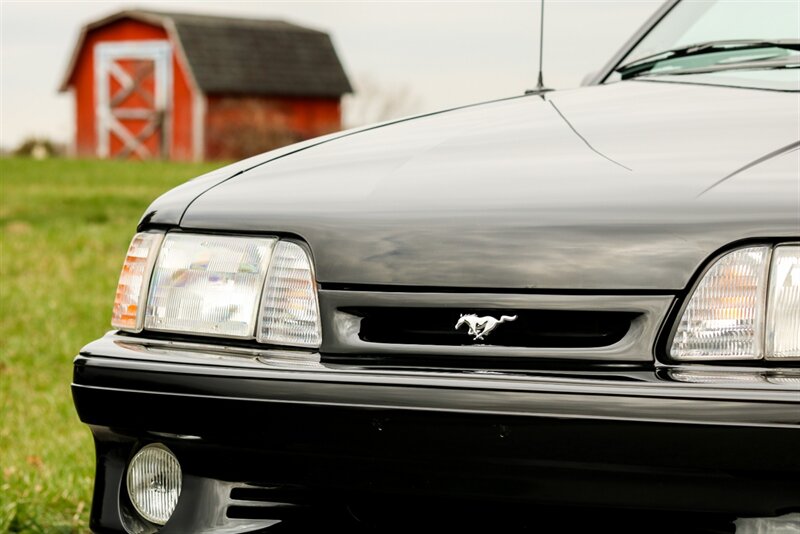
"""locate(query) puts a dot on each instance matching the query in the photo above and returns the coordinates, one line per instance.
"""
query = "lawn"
(65, 226)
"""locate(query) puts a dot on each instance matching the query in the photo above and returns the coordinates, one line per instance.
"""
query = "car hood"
(617, 187)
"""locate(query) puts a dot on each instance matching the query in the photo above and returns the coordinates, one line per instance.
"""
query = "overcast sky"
(445, 53)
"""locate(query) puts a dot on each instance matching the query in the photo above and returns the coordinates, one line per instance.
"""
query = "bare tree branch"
(374, 101)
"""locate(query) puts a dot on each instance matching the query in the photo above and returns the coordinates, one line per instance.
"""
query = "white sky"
(445, 53)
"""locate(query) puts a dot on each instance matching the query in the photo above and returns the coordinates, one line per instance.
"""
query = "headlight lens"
(729, 308)
(208, 285)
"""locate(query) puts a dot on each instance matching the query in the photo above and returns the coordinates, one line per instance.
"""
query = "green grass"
(64, 228)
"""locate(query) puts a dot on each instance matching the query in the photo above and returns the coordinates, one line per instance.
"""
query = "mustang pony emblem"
(481, 326)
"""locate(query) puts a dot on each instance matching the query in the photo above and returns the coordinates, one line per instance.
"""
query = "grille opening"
(267, 502)
(285, 511)
(271, 494)
(531, 328)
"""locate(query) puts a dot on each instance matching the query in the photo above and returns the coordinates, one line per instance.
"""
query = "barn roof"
(252, 56)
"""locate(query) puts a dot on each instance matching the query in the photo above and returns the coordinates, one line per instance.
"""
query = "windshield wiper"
(760, 64)
(646, 64)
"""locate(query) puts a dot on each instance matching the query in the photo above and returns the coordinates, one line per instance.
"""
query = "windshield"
(703, 21)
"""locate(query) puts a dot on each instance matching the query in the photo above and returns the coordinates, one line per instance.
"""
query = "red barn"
(192, 87)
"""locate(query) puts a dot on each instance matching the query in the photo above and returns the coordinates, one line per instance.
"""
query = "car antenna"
(540, 88)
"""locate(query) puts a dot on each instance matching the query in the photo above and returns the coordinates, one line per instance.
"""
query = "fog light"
(154, 483)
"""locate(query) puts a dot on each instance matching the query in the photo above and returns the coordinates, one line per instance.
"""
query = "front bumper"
(346, 440)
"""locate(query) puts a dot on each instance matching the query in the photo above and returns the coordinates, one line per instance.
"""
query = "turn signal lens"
(289, 307)
(783, 311)
(725, 315)
(133, 282)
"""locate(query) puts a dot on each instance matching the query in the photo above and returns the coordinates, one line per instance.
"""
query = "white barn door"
(133, 90)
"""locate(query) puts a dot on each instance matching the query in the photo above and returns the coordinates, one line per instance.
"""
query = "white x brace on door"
(133, 88)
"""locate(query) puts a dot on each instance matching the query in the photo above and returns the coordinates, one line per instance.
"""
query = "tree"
(375, 101)
(39, 148)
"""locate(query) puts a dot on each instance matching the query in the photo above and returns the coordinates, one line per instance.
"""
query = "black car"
(560, 310)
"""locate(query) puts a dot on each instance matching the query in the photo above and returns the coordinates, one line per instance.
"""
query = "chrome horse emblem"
(482, 326)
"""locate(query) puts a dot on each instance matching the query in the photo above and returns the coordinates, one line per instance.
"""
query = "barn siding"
(83, 84)
(238, 126)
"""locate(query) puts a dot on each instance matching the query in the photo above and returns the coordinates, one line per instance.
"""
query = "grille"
(549, 326)
(531, 328)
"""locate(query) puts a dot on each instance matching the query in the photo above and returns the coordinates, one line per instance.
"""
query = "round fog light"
(154, 483)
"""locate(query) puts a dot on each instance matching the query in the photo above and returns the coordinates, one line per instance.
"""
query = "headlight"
(746, 306)
(783, 310)
(236, 287)
(208, 285)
